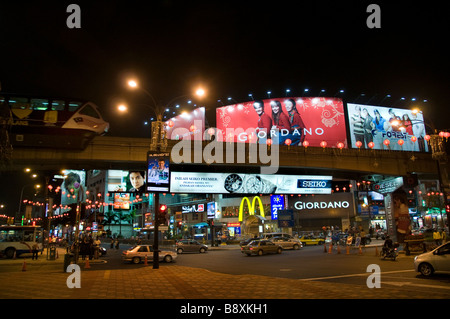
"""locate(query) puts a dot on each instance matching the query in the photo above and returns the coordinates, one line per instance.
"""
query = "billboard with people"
(385, 128)
(305, 121)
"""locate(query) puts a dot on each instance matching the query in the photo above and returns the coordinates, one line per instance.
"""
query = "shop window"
(58, 105)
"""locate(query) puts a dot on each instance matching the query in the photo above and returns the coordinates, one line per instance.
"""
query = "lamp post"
(158, 143)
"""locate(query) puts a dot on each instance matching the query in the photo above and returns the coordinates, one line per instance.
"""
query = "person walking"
(437, 237)
(35, 249)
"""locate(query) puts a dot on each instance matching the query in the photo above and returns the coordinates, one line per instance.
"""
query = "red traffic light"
(162, 207)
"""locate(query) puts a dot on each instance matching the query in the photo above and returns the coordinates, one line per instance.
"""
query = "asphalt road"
(308, 263)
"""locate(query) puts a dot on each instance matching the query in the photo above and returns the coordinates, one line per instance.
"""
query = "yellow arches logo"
(251, 207)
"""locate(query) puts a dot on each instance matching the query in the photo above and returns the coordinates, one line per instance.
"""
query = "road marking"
(353, 275)
(401, 284)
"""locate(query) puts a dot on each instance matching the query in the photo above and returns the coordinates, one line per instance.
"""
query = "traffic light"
(447, 208)
(162, 214)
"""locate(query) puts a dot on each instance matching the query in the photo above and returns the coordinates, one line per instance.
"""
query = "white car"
(138, 253)
(435, 260)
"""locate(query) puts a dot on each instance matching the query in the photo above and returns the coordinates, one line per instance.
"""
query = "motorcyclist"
(388, 245)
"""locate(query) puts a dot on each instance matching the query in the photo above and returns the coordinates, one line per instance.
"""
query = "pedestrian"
(117, 243)
(437, 237)
(444, 236)
(112, 243)
(35, 249)
(97, 243)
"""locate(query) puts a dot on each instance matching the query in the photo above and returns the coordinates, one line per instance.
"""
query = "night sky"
(232, 48)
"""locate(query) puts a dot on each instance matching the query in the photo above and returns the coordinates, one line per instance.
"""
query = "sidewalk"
(170, 281)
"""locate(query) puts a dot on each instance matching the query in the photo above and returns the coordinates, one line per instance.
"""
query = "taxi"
(311, 240)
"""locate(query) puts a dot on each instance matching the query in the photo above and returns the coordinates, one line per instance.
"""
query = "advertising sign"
(289, 121)
(126, 181)
(237, 183)
(286, 218)
(158, 173)
(276, 204)
(186, 124)
(384, 128)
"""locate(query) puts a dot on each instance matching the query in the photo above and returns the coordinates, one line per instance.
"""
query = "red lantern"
(427, 137)
(441, 133)
(211, 131)
(170, 123)
(413, 139)
(446, 134)
(288, 142)
(323, 144)
(305, 144)
(371, 144)
(400, 142)
(386, 142)
(340, 145)
(358, 144)
(192, 128)
(269, 141)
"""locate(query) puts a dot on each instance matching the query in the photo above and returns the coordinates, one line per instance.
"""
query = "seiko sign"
(321, 205)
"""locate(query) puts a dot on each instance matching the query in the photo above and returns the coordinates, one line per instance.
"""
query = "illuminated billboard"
(290, 121)
(237, 183)
(187, 124)
(73, 187)
(385, 128)
(158, 171)
(126, 181)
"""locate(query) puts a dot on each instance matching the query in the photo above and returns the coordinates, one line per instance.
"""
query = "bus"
(17, 240)
(38, 121)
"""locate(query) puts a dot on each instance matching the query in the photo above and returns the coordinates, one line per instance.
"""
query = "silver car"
(189, 245)
(138, 253)
(287, 242)
(435, 260)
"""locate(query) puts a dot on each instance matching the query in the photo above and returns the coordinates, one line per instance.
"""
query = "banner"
(384, 128)
(288, 121)
(237, 183)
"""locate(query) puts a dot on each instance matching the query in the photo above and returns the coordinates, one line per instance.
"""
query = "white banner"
(226, 183)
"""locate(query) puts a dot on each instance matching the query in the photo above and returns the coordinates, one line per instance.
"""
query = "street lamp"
(158, 132)
(159, 141)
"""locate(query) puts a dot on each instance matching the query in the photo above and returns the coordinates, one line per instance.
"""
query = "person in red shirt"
(280, 122)
(264, 121)
(297, 134)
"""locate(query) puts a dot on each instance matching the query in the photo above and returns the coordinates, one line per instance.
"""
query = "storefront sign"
(196, 208)
(251, 207)
(237, 183)
(388, 186)
(321, 206)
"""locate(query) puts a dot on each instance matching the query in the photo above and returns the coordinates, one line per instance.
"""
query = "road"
(309, 263)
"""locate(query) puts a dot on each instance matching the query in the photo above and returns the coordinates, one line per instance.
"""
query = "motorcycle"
(390, 252)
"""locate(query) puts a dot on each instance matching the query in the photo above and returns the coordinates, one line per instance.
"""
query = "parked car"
(189, 245)
(435, 260)
(287, 242)
(261, 247)
(312, 240)
(137, 254)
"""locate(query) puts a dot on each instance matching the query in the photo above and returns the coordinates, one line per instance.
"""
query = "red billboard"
(299, 121)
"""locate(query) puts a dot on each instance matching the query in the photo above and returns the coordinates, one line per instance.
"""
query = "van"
(273, 235)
